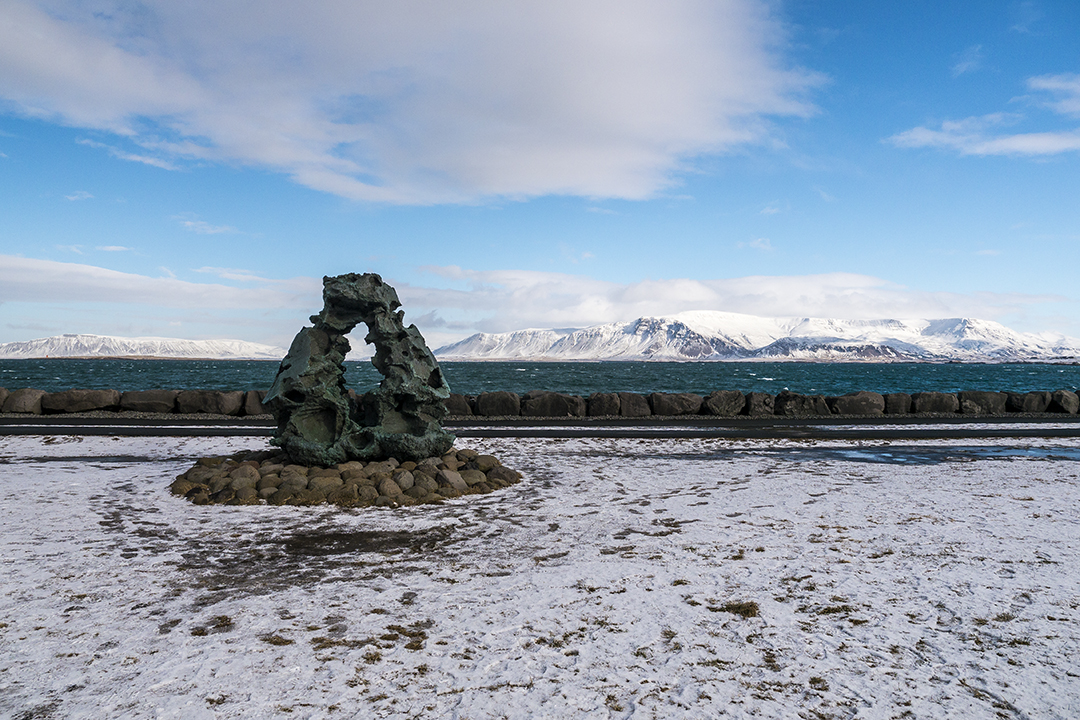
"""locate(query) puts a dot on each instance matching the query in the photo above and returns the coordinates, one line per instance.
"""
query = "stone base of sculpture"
(270, 477)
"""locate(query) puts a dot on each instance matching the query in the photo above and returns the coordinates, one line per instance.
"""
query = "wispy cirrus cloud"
(413, 102)
(234, 274)
(763, 244)
(201, 227)
(133, 157)
(976, 136)
(1027, 14)
(79, 195)
(968, 61)
(988, 135)
(1064, 89)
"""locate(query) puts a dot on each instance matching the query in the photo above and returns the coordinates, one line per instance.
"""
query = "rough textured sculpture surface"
(318, 423)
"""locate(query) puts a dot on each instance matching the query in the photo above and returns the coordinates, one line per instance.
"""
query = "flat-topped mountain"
(108, 346)
(706, 335)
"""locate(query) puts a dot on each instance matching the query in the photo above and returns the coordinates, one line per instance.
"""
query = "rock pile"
(268, 477)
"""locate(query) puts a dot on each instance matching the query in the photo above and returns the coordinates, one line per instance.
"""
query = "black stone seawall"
(538, 403)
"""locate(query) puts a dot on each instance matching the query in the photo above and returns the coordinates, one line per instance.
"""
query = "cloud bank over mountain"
(458, 302)
(503, 301)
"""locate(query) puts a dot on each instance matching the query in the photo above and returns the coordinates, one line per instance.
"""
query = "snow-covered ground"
(619, 579)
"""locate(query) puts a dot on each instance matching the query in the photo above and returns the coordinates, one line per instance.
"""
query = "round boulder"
(539, 403)
(498, 403)
(603, 404)
(1064, 401)
(897, 403)
(758, 403)
(25, 401)
(795, 404)
(1036, 402)
(724, 402)
(935, 402)
(252, 404)
(977, 402)
(149, 401)
(211, 402)
(675, 403)
(633, 405)
(458, 405)
(73, 401)
(858, 403)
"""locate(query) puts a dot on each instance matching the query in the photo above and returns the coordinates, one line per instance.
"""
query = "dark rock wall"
(724, 403)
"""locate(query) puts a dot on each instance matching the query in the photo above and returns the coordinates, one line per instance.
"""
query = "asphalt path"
(883, 428)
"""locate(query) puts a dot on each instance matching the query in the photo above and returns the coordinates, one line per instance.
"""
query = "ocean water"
(580, 378)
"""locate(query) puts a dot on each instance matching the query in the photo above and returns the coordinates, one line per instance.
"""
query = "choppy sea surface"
(579, 378)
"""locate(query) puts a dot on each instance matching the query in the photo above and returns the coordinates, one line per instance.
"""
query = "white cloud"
(968, 61)
(1027, 14)
(573, 255)
(77, 249)
(233, 274)
(79, 195)
(416, 101)
(202, 227)
(112, 248)
(758, 244)
(769, 210)
(971, 137)
(32, 280)
(983, 135)
(1065, 89)
(133, 157)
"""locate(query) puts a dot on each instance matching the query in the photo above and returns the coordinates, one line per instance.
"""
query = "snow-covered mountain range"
(107, 346)
(706, 335)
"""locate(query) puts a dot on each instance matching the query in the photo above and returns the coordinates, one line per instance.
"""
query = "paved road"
(886, 428)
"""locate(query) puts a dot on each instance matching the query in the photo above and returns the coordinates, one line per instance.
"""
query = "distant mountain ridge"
(75, 345)
(718, 336)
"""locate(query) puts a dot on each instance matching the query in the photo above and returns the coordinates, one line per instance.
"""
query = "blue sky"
(192, 169)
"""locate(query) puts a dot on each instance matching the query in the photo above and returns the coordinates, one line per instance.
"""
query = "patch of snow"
(608, 584)
(73, 345)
